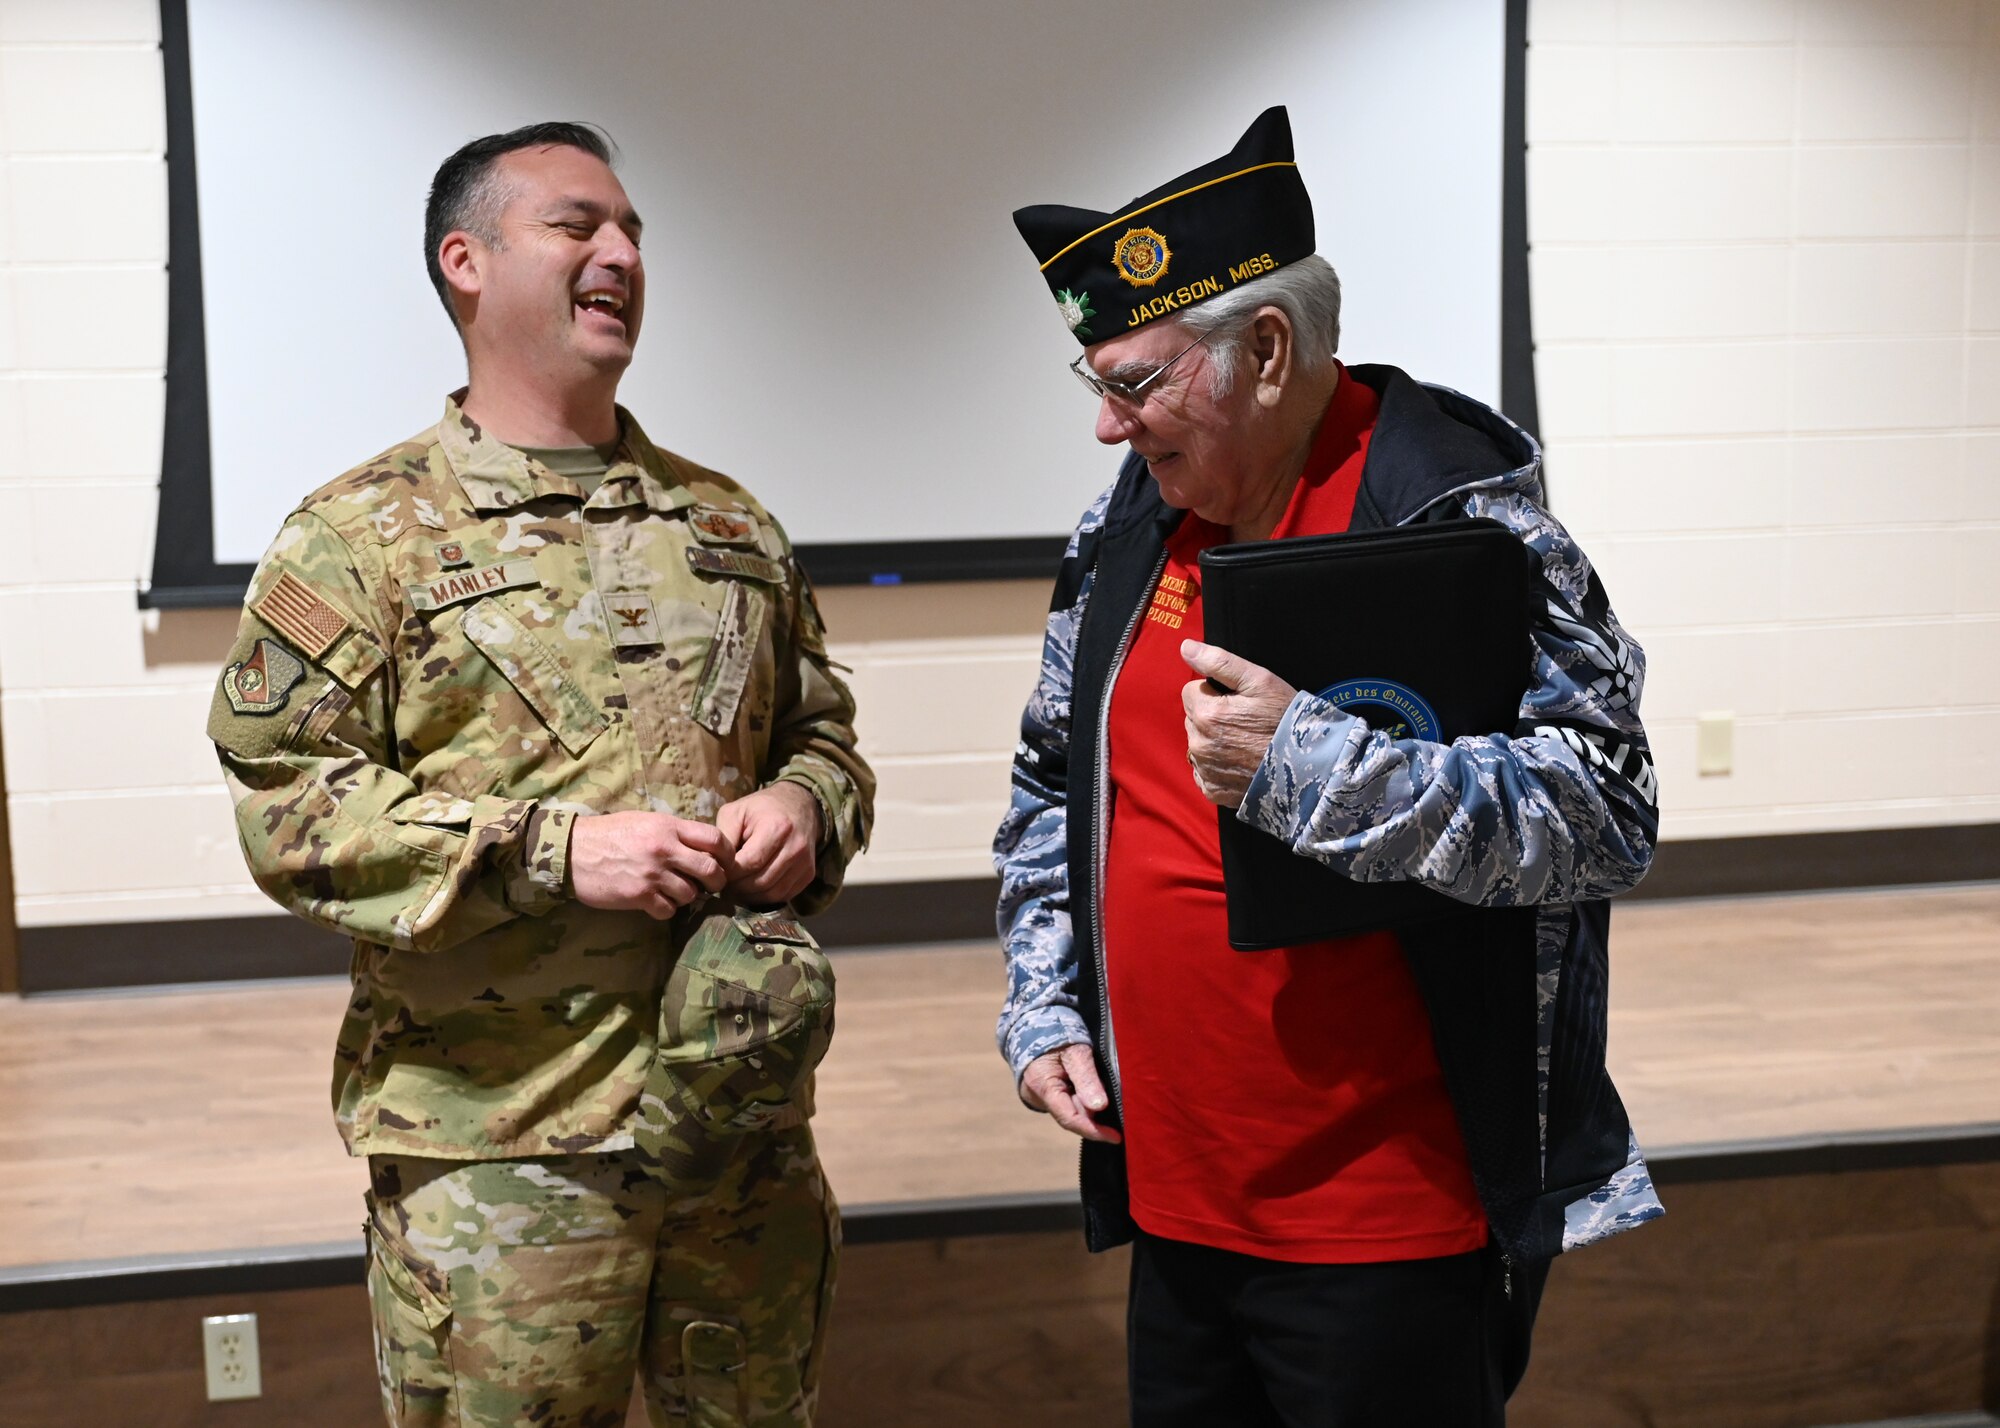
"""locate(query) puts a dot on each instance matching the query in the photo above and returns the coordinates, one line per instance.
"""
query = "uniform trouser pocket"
(741, 1292)
(412, 1325)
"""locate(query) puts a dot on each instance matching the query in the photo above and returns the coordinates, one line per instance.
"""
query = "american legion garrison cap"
(1194, 237)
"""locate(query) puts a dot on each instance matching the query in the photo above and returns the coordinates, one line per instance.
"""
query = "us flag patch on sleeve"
(296, 611)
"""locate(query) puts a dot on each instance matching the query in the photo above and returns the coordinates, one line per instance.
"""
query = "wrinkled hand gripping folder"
(1422, 633)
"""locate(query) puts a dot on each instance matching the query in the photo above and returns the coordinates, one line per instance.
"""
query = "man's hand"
(775, 832)
(1065, 1083)
(1231, 716)
(652, 862)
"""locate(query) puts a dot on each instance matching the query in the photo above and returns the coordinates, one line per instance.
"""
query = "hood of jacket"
(1429, 443)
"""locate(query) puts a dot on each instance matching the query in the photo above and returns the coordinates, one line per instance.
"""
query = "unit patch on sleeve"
(715, 526)
(471, 584)
(296, 611)
(735, 562)
(632, 619)
(262, 683)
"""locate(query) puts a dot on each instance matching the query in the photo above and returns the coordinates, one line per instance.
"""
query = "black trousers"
(1222, 1340)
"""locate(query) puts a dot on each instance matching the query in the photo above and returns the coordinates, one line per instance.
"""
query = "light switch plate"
(1715, 744)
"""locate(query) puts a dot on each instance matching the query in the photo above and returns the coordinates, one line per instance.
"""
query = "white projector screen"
(839, 311)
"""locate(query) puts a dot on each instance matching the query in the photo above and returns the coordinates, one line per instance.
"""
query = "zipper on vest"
(1458, 493)
(1098, 839)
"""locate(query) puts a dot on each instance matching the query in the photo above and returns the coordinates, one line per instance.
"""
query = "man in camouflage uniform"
(524, 705)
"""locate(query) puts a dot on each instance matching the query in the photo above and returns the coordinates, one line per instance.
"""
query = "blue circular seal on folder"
(1395, 709)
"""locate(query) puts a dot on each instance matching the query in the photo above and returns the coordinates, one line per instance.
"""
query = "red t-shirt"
(1286, 1103)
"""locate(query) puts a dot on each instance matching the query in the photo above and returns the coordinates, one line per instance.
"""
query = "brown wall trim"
(97, 956)
(54, 959)
(1817, 862)
(210, 949)
(31, 1287)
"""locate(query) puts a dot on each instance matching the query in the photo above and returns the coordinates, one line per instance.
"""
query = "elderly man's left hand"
(1232, 712)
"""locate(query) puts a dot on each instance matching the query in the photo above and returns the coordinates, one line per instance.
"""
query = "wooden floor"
(173, 1122)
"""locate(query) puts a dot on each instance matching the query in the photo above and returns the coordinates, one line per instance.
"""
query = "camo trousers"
(530, 1292)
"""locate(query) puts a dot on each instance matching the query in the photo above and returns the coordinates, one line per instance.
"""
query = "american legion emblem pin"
(1141, 257)
(262, 683)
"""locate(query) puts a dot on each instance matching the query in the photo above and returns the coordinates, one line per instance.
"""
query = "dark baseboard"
(1818, 862)
(209, 949)
(103, 955)
(75, 1283)
(892, 914)
(100, 956)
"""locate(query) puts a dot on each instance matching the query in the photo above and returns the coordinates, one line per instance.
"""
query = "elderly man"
(510, 704)
(1343, 1167)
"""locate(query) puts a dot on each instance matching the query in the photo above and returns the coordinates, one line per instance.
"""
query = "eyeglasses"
(1133, 392)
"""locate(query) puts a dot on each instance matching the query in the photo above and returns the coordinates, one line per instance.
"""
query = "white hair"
(1307, 292)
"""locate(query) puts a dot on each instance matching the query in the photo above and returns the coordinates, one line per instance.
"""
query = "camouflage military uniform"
(448, 655)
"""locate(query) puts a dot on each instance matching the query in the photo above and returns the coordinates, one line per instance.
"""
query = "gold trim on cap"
(1123, 217)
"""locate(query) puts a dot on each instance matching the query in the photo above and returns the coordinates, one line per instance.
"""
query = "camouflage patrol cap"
(748, 1014)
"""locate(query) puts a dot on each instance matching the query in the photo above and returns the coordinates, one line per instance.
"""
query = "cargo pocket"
(412, 1323)
(536, 674)
(732, 652)
(715, 1363)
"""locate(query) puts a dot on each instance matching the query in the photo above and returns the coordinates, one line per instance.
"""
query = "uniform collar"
(497, 477)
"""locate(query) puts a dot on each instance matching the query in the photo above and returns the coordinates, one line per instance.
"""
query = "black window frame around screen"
(187, 576)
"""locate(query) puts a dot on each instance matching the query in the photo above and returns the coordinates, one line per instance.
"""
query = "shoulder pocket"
(536, 673)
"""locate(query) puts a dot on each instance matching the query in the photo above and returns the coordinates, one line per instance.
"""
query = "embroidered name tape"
(296, 611)
(772, 927)
(735, 562)
(471, 584)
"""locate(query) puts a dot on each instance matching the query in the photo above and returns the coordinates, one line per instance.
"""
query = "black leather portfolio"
(1422, 633)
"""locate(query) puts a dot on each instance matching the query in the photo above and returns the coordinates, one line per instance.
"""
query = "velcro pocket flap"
(536, 673)
(738, 630)
(355, 658)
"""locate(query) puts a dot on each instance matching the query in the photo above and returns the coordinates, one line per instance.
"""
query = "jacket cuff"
(841, 834)
(538, 877)
(840, 830)
(1291, 779)
(1038, 1032)
(827, 830)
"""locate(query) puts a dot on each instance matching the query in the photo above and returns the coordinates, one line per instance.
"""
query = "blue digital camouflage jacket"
(1531, 828)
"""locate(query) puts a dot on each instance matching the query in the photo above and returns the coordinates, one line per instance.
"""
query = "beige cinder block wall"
(1766, 288)
(1768, 299)
(117, 810)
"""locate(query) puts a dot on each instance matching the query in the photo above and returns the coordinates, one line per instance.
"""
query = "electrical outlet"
(229, 1345)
